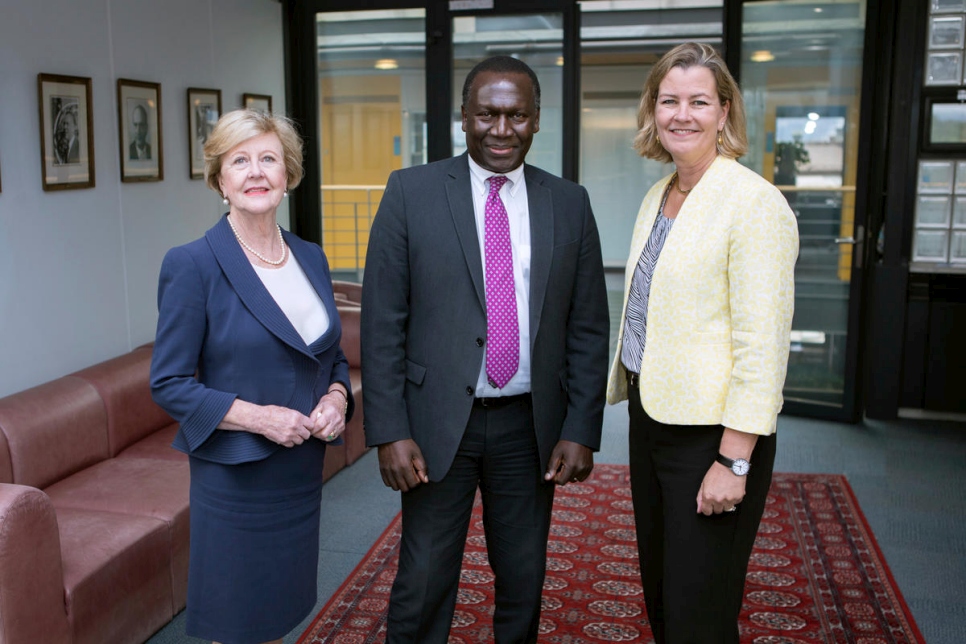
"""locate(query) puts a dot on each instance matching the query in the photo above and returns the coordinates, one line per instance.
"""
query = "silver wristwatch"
(738, 466)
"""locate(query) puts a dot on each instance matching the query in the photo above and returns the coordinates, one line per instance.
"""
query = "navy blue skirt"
(252, 573)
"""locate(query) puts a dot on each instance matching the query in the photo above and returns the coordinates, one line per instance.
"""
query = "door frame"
(302, 98)
(868, 184)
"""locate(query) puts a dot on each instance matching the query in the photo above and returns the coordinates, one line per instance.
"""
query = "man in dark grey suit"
(467, 386)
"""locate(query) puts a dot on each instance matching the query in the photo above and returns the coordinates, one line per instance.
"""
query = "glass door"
(619, 44)
(371, 120)
(801, 77)
(537, 40)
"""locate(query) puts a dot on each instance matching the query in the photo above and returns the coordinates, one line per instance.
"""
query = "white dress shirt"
(514, 196)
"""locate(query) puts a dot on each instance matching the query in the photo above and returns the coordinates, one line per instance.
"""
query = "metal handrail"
(347, 255)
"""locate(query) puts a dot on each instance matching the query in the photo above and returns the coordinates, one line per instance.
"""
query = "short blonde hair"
(238, 126)
(734, 137)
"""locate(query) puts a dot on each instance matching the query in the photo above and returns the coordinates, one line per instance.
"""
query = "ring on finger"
(732, 508)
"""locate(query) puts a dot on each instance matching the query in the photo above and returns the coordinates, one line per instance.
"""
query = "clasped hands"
(403, 467)
(289, 428)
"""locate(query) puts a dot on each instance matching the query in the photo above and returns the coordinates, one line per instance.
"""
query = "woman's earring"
(285, 194)
(224, 200)
(720, 140)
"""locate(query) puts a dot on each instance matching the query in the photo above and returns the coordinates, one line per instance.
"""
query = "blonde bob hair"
(236, 127)
(734, 137)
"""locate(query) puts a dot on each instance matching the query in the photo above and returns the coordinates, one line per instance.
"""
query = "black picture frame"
(139, 130)
(259, 102)
(66, 116)
(204, 110)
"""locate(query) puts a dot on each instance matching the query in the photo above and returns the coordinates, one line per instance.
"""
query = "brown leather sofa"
(349, 302)
(93, 509)
(94, 503)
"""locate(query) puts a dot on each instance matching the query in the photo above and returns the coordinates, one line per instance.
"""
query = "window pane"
(372, 120)
(537, 40)
(620, 40)
(801, 79)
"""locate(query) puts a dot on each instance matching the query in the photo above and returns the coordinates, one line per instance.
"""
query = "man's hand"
(401, 465)
(570, 462)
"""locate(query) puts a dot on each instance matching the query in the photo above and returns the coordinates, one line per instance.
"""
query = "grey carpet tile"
(940, 621)
(926, 533)
(946, 578)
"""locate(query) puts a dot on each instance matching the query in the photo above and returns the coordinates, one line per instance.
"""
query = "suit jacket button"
(470, 391)
(479, 342)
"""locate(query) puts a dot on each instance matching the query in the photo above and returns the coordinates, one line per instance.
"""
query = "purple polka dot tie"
(502, 327)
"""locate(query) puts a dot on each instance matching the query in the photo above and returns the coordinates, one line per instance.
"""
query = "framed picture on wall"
(139, 130)
(204, 109)
(66, 132)
(260, 102)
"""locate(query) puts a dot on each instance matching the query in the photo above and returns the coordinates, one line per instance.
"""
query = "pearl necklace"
(255, 252)
(677, 185)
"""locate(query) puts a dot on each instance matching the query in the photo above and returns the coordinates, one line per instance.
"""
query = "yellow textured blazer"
(720, 309)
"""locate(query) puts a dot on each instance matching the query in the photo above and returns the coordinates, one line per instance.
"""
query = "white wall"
(79, 268)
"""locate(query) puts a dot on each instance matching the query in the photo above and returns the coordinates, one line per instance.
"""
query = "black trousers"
(498, 455)
(692, 566)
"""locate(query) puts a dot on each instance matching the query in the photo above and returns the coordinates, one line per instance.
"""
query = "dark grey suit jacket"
(424, 314)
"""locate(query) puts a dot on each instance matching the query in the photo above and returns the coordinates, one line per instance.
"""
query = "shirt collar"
(479, 176)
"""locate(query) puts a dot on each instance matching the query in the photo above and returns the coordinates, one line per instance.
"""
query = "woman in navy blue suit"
(247, 360)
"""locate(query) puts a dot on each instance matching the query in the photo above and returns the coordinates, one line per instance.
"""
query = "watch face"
(740, 467)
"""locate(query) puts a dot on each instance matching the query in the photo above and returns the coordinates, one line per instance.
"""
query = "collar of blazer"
(252, 292)
(700, 204)
(540, 206)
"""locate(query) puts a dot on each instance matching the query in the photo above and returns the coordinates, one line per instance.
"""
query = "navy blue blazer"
(221, 336)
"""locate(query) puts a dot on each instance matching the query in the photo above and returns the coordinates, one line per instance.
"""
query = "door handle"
(845, 240)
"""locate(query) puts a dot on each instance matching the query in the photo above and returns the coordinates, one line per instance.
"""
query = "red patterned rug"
(816, 574)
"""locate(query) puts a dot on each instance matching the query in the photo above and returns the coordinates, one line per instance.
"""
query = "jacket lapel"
(250, 290)
(540, 205)
(460, 197)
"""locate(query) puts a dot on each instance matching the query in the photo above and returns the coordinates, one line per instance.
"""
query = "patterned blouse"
(635, 322)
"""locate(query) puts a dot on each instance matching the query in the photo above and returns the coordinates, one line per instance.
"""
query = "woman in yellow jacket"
(703, 348)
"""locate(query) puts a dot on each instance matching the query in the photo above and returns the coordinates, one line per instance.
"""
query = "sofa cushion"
(53, 430)
(122, 383)
(117, 583)
(350, 291)
(156, 445)
(153, 488)
(350, 317)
